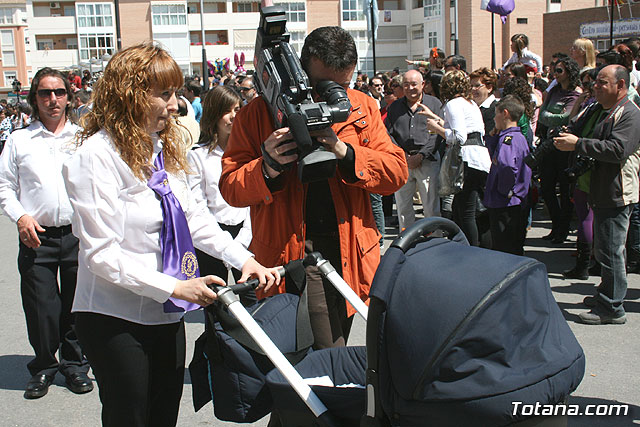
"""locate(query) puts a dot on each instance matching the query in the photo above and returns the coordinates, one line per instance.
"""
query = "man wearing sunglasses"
(376, 89)
(33, 195)
(247, 90)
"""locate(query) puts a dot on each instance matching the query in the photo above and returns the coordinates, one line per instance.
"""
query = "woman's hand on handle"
(197, 290)
(268, 277)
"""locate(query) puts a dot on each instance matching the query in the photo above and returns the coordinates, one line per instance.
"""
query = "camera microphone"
(298, 126)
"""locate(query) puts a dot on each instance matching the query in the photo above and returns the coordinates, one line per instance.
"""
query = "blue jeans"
(610, 236)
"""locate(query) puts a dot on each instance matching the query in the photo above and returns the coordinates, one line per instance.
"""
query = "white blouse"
(462, 117)
(206, 168)
(118, 219)
(528, 58)
(30, 178)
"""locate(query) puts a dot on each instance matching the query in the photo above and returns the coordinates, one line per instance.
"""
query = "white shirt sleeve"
(99, 222)
(455, 123)
(9, 182)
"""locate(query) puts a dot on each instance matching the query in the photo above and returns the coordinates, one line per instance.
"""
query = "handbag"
(451, 177)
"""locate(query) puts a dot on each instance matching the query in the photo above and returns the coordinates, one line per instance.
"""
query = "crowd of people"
(141, 190)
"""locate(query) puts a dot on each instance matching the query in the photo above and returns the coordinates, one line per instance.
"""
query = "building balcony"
(395, 17)
(54, 58)
(52, 25)
(223, 21)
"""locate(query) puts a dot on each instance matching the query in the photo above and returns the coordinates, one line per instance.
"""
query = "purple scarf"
(178, 255)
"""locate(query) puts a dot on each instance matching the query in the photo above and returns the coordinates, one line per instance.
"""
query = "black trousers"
(327, 307)
(465, 203)
(552, 173)
(139, 369)
(47, 305)
(508, 228)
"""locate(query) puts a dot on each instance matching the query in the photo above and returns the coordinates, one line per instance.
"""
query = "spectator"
(483, 83)
(192, 92)
(33, 195)
(376, 89)
(614, 145)
(455, 62)
(83, 99)
(521, 53)
(408, 127)
(583, 52)
(396, 86)
(247, 89)
(188, 127)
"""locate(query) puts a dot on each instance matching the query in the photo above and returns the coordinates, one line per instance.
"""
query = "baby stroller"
(455, 335)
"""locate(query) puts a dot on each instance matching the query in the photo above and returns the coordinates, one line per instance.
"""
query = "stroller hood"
(463, 324)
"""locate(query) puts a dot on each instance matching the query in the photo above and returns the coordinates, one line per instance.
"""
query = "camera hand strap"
(270, 160)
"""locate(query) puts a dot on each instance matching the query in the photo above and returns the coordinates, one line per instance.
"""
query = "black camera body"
(281, 81)
(534, 158)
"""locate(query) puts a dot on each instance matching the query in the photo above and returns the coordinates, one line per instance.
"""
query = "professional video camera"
(534, 158)
(280, 79)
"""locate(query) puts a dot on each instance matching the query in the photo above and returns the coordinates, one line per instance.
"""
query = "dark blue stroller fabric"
(345, 365)
(465, 333)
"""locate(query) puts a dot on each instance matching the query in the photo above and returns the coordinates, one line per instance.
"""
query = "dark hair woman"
(555, 112)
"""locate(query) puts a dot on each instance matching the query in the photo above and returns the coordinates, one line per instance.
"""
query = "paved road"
(612, 351)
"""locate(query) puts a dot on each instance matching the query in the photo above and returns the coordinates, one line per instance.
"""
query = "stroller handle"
(243, 287)
(426, 226)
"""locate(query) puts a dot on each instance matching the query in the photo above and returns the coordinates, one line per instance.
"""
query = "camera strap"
(270, 161)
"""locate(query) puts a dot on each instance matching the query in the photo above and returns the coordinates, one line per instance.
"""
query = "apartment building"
(14, 57)
(84, 34)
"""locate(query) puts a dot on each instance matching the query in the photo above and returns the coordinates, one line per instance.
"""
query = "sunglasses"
(245, 89)
(46, 93)
(377, 85)
(558, 71)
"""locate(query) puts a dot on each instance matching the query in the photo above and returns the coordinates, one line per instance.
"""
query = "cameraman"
(614, 144)
(332, 216)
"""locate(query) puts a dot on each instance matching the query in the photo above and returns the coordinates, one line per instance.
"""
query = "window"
(72, 43)
(418, 4)
(353, 10)
(6, 15)
(45, 44)
(556, 1)
(431, 8)
(9, 77)
(95, 45)
(361, 39)
(69, 11)
(366, 65)
(295, 11)
(8, 49)
(297, 40)
(417, 32)
(169, 14)
(522, 20)
(244, 7)
(91, 15)
(433, 39)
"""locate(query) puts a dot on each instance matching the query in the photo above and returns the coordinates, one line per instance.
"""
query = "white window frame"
(296, 11)
(8, 48)
(94, 15)
(6, 15)
(9, 77)
(244, 7)
(361, 39)
(104, 44)
(417, 32)
(43, 42)
(297, 40)
(166, 14)
(432, 8)
(352, 10)
(432, 39)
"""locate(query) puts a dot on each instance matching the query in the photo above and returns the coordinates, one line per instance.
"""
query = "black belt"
(474, 138)
(56, 231)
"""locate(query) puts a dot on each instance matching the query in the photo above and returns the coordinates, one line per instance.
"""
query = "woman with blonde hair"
(583, 52)
(219, 108)
(137, 223)
(463, 125)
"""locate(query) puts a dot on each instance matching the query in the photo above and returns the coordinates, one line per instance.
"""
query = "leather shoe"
(37, 386)
(593, 318)
(79, 383)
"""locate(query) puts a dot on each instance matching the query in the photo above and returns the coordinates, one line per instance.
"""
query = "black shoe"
(37, 386)
(79, 383)
(633, 268)
(559, 238)
(593, 318)
(589, 301)
(576, 273)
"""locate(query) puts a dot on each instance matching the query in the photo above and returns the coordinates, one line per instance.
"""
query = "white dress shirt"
(206, 168)
(118, 219)
(30, 174)
(462, 117)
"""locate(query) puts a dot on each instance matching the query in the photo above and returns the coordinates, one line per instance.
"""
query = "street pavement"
(612, 351)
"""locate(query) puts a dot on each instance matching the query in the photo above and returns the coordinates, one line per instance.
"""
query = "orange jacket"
(277, 220)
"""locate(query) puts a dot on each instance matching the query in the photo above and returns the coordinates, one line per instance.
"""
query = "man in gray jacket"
(614, 188)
